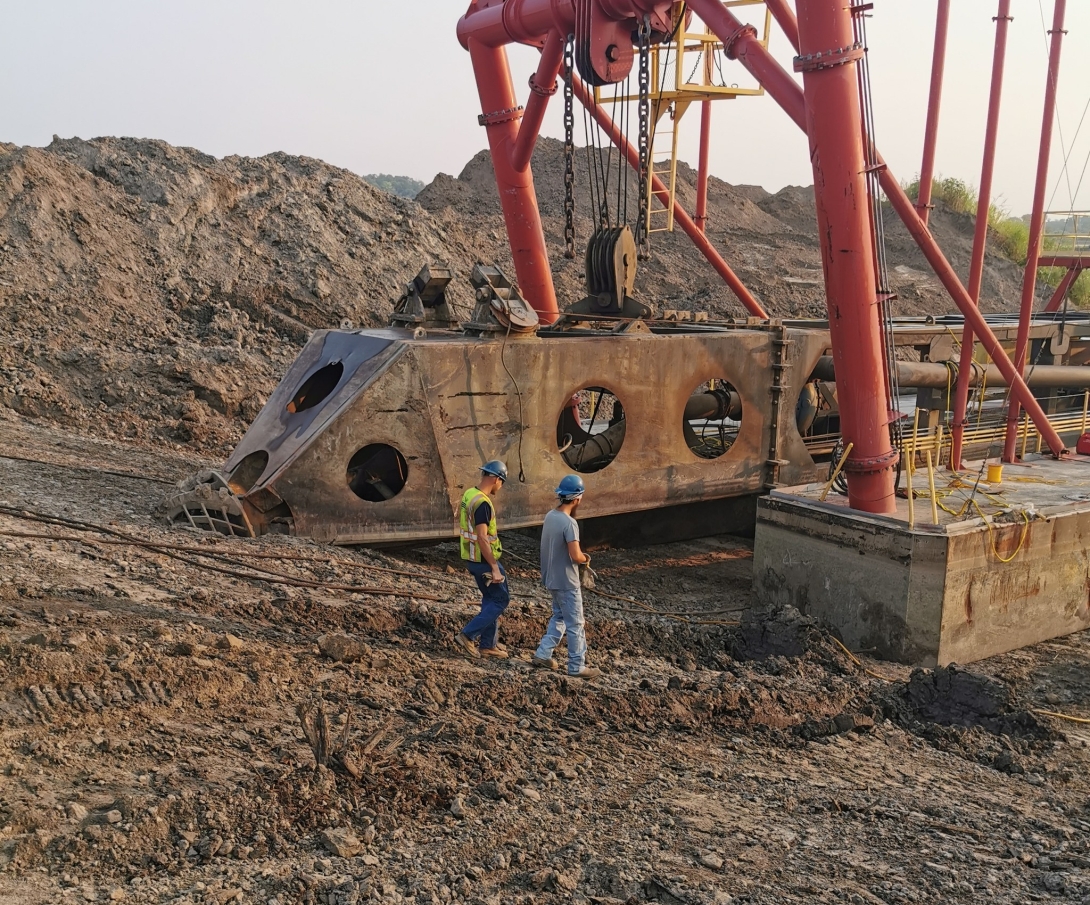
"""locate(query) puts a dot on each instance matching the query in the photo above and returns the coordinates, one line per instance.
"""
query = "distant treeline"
(395, 185)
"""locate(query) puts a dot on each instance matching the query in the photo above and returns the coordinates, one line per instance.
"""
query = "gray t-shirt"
(558, 572)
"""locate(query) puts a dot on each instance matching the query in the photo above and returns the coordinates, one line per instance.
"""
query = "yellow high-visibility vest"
(467, 535)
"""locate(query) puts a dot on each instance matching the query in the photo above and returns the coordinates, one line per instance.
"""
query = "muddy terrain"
(156, 682)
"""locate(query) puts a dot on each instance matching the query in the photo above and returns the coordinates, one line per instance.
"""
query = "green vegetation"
(1010, 234)
(404, 186)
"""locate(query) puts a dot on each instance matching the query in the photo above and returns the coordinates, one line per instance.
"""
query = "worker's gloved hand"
(587, 576)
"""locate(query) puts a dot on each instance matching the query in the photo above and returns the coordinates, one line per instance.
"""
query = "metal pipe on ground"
(980, 236)
(1037, 216)
(742, 44)
(936, 375)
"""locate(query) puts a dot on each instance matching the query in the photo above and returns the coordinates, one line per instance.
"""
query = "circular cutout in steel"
(591, 429)
(377, 473)
(317, 387)
(248, 471)
(712, 418)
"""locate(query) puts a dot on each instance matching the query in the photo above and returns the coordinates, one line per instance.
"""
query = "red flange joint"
(500, 116)
(829, 59)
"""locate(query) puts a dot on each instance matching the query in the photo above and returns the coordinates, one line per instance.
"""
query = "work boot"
(587, 672)
(544, 664)
(494, 652)
(468, 647)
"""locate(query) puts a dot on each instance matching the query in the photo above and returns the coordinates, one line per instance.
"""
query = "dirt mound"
(158, 293)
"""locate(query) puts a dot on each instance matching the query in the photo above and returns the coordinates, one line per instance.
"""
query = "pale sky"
(384, 87)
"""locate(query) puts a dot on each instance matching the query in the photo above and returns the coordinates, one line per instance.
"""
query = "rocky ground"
(155, 684)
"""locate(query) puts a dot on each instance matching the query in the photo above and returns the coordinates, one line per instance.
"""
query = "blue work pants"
(567, 617)
(485, 626)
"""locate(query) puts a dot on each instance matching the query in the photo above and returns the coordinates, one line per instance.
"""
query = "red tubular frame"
(516, 187)
(742, 44)
(934, 101)
(1037, 217)
(789, 25)
(980, 236)
(701, 215)
(834, 126)
(682, 219)
(1065, 286)
(542, 87)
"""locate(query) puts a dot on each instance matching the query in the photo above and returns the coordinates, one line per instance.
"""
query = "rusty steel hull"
(446, 402)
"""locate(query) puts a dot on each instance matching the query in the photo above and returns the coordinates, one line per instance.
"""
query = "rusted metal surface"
(445, 403)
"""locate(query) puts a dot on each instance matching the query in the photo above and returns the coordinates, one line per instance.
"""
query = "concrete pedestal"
(936, 594)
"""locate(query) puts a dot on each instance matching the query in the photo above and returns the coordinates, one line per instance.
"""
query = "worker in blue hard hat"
(561, 557)
(479, 542)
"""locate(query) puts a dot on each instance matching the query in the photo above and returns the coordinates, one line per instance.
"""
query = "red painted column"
(934, 100)
(1037, 216)
(702, 166)
(516, 188)
(834, 126)
(586, 98)
(980, 237)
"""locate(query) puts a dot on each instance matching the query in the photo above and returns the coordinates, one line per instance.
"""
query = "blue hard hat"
(496, 468)
(570, 487)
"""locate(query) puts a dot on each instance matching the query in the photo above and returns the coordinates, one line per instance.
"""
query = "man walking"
(561, 557)
(480, 548)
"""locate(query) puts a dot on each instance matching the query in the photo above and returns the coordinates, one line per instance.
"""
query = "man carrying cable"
(561, 557)
(480, 548)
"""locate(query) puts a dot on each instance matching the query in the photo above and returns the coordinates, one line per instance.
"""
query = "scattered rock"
(711, 861)
(341, 842)
(458, 806)
(342, 648)
(230, 642)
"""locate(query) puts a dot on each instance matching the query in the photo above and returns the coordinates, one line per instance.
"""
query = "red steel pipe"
(1037, 217)
(515, 21)
(742, 44)
(934, 101)
(586, 98)
(542, 86)
(1065, 287)
(516, 188)
(1064, 261)
(702, 166)
(834, 126)
(980, 236)
(781, 12)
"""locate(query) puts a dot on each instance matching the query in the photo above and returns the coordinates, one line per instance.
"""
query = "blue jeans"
(567, 616)
(485, 626)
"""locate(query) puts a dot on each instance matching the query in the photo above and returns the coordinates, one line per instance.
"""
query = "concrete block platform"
(957, 591)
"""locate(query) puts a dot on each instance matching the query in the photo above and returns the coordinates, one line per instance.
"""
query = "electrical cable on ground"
(91, 468)
(255, 574)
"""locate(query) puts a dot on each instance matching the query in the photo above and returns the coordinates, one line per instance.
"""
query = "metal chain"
(569, 150)
(643, 244)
